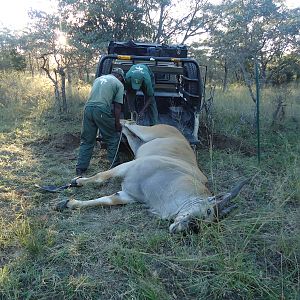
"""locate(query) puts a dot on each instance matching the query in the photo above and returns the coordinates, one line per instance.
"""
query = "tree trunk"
(160, 24)
(80, 74)
(247, 81)
(54, 80)
(31, 65)
(63, 90)
(263, 74)
(69, 81)
(87, 74)
(225, 77)
(57, 97)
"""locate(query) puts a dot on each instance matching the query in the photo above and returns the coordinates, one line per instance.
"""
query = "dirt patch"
(71, 141)
(224, 142)
(9, 255)
(65, 142)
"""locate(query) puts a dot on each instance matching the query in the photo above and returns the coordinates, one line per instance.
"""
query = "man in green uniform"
(102, 112)
(140, 77)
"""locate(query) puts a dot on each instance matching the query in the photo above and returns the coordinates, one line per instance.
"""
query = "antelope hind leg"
(149, 133)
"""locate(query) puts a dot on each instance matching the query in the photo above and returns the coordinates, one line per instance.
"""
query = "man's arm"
(117, 111)
(148, 90)
(148, 100)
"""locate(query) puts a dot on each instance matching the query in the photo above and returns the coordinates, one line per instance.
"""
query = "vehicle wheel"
(192, 87)
(105, 68)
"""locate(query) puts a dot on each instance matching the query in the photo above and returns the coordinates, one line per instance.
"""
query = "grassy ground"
(124, 252)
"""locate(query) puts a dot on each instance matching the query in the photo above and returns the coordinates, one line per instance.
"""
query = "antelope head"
(209, 209)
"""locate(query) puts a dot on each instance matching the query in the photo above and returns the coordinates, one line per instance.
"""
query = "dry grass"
(125, 253)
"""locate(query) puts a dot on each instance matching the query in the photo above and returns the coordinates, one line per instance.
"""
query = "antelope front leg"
(118, 171)
(118, 198)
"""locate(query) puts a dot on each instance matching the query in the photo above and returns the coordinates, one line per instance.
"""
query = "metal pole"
(257, 109)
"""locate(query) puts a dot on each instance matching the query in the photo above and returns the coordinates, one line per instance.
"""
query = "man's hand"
(148, 101)
(141, 114)
(117, 109)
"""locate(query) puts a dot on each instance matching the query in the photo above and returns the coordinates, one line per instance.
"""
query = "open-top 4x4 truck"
(178, 83)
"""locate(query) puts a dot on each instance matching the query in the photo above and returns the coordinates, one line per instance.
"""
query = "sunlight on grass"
(240, 110)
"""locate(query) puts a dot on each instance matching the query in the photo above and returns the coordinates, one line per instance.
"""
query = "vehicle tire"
(192, 87)
(105, 68)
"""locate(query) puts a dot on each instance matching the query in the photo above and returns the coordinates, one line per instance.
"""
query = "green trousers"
(95, 119)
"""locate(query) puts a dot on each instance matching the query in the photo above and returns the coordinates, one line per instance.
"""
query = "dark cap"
(118, 71)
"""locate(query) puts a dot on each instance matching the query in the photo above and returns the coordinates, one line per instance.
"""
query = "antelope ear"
(226, 211)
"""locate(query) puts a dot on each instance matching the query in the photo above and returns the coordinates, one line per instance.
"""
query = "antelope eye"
(208, 211)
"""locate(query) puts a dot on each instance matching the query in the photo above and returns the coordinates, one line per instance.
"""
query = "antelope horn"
(225, 198)
(235, 190)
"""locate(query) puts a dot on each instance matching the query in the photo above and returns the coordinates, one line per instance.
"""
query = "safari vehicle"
(178, 82)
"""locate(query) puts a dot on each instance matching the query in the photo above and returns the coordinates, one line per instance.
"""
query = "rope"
(117, 150)
(135, 117)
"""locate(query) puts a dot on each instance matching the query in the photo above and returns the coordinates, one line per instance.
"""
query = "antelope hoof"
(60, 206)
(74, 182)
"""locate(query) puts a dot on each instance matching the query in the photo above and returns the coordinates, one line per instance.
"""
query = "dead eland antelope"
(164, 176)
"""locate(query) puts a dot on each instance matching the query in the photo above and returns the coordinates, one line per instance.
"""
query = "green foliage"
(10, 57)
(101, 21)
(238, 32)
(244, 31)
(18, 61)
(285, 69)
